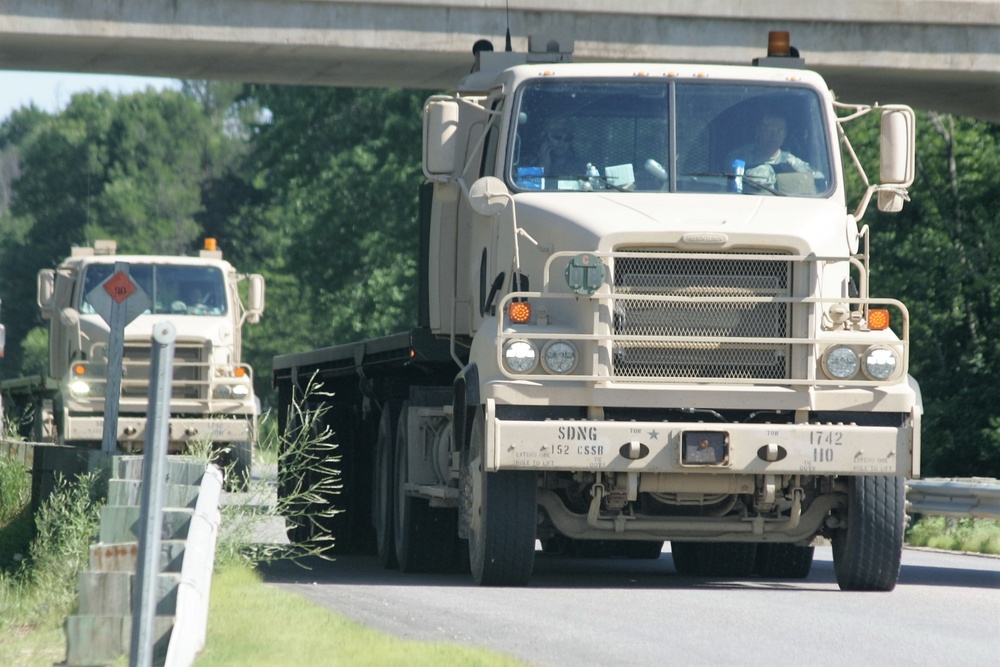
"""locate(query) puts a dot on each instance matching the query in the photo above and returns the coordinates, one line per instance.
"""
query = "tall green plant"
(941, 256)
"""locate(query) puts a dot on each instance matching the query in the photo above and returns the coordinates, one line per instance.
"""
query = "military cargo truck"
(212, 400)
(645, 315)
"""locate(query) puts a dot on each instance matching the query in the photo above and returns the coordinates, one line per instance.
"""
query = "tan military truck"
(645, 316)
(212, 400)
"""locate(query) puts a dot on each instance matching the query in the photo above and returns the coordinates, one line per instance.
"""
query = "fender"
(465, 400)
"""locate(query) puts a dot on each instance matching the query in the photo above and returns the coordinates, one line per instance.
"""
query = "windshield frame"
(730, 126)
(169, 287)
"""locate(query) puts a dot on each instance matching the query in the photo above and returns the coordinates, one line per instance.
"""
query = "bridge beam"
(933, 54)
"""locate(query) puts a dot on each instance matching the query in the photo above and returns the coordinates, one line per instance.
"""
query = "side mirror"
(489, 196)
(441, 117)
(897, 159)
(897, 146)
(46, 289)
(255, 298)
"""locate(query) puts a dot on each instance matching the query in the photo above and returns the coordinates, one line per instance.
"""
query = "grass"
(39, 563)
(972, 535)
(300, 634)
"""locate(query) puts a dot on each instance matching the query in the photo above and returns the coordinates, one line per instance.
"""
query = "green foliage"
(332, 215)
(15, 494)
(973, 535)
(43, 589)
(129, 167)
(941, 256)
(35, 352)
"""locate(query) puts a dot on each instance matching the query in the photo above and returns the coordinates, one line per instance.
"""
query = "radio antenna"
(507, 46)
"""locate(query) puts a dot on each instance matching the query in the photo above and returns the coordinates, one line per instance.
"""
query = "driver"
(764, 157)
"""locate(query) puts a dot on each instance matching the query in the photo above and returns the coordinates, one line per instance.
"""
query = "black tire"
(500, 510)
(640, 550)
(686, 557)
(383, 485)
(592, 548)
(867, 552)
(237, 464)
(714, 559)
(783, 561)
(729, 559)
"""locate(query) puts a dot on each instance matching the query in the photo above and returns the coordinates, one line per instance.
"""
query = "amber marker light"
(240, 372)
(878, 319)
(778, 44)
(79, 369)
(519, 312)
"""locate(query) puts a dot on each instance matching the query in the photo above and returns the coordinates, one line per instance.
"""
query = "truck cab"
(212, 397)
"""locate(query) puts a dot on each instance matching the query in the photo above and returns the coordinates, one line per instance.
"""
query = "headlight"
(880, 362)
(840, 363)
(241, 391)
(79, 389)
(223, 391)
(559, 357)
(520, 356)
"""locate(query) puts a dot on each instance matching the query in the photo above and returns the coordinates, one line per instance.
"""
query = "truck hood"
(190, 329)
(605, 220)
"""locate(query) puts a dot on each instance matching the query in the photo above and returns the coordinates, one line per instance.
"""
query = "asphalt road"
(579, 612)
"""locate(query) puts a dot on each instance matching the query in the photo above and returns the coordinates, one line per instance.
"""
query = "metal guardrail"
(977, 497)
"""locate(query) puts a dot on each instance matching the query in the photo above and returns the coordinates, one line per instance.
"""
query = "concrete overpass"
(940, 55)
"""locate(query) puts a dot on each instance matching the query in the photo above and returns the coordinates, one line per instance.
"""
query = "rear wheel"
(714, 559)
(641, 550)
(686, 558)
(383, 495)
(237, 463)
(499, 510)
(867, 551)
(783, 561)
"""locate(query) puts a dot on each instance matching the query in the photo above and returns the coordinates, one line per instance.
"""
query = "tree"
(941, 256)
(129, 167)
(330, 215)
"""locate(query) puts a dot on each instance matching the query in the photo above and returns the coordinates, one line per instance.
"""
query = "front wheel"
(867, 552)
(499, 515)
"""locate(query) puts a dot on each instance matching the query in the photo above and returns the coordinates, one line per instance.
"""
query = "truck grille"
(190, 379)
(716, 289)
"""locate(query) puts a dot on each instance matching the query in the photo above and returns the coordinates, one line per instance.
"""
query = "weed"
(42, 590)
(308, 478)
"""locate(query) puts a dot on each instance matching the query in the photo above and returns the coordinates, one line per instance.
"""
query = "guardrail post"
(151, 516)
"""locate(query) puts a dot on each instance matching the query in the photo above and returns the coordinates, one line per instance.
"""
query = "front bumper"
(183, 430)
(658, 447)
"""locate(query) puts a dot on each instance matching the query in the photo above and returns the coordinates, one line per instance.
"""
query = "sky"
(51, 91)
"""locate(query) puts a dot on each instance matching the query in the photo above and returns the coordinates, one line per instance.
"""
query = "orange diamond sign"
(119, 286)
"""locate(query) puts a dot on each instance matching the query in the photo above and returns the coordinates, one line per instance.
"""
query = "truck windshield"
(172, 289)
(676, 136)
